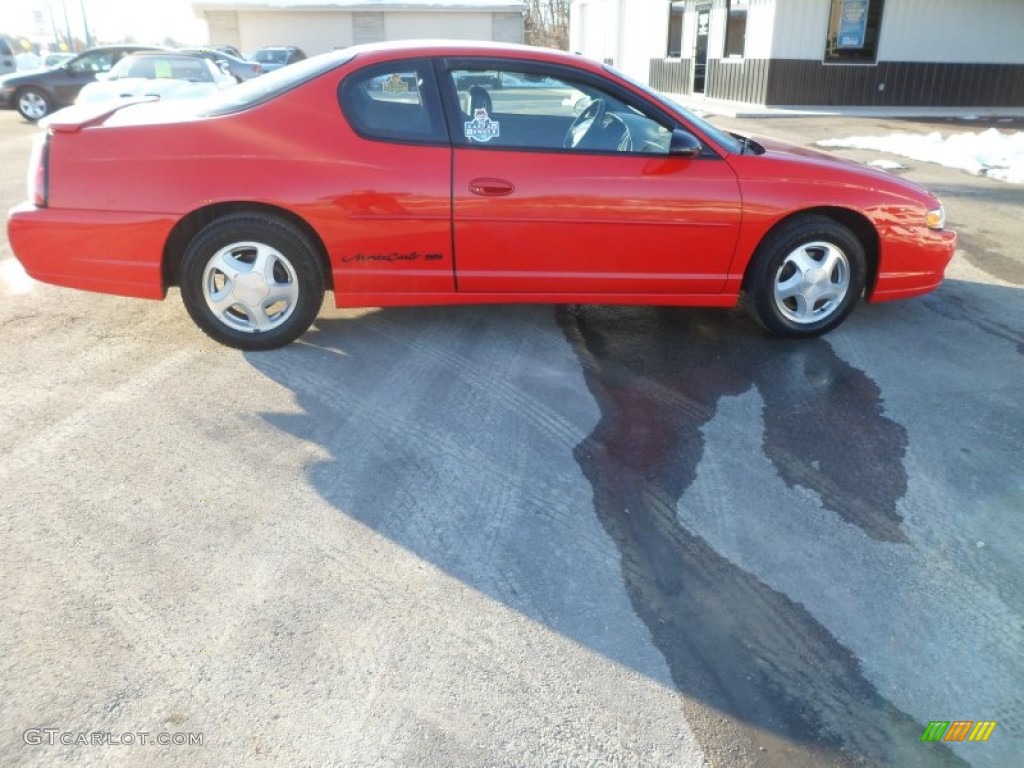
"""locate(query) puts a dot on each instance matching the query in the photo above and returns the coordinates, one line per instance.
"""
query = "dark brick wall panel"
(670, 75)
(907, 84)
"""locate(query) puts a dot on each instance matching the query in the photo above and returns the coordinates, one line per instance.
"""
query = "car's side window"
(394, 102)
(100, 61)
(508, 108)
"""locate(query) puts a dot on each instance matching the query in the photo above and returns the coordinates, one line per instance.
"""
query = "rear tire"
(805, 277)
(252, 282)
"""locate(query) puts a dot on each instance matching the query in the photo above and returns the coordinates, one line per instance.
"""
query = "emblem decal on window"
(395, 84)
(481, 127)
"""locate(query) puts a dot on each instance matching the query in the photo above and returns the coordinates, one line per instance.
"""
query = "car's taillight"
(39, 171)
(257, 68)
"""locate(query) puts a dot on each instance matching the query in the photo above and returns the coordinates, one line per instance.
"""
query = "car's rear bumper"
(103, 251)
(912, 266)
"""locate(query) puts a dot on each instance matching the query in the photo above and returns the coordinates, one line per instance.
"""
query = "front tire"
(805, 277)
(252, 282)
(32, 104)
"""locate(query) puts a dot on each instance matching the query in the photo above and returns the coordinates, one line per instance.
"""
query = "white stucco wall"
(593, 28)
(989, 32)
(317, 32)
(447, 25)
(642, 21)
(963, 31)
(312, 32)
(800, 27)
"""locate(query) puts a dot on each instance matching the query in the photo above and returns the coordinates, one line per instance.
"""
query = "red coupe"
(446, 173)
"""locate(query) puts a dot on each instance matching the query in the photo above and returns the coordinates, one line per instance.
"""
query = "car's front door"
(393, 232)
(80, 71)
(564, 185)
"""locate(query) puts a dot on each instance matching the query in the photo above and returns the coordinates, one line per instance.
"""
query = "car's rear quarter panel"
(296, 153)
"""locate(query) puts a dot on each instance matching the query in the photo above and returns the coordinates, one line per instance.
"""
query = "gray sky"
(146, 20)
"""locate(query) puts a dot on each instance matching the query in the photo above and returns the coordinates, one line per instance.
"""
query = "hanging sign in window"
(853, 22)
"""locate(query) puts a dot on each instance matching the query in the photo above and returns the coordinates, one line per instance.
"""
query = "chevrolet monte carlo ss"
(452, 173)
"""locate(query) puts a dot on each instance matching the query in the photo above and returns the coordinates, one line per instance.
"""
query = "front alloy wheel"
(252, 282)
(805, 277)
(812, 282)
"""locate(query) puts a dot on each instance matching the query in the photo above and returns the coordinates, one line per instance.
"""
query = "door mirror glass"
(684, 144)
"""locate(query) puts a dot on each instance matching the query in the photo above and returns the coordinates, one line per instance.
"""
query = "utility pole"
(85, 25)
(67, 25)
(53, 24)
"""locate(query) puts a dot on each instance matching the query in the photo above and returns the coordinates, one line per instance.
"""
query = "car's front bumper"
(103, 251)
(912, 265)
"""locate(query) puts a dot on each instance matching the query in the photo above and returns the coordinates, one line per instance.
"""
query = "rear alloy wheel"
(252, 282)
(32, 104)
(806, 277)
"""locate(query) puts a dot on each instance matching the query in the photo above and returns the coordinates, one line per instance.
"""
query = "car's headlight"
(936, 218)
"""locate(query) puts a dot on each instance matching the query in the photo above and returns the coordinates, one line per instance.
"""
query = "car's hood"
(788, 160)
(133, 87)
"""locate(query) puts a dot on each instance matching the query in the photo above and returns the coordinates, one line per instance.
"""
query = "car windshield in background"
(271, 57)
(720, 137)
(157, 67)
(260, 89)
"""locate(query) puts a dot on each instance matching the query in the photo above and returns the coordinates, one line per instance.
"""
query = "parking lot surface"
(534, 535)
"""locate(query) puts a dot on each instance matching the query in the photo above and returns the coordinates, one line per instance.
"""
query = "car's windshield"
(260, 89)
(156, 67)
(720, 137)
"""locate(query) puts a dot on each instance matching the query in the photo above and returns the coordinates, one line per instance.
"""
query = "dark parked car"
(238, 68)
(37, 94)
(277, 56)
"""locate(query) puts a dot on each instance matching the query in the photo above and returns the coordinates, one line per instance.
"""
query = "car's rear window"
(263, 88)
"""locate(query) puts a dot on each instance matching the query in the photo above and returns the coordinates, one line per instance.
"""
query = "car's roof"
(468, 48)
(126, 47)
(163, 54)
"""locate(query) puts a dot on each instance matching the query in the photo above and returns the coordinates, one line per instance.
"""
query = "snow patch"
(990, 153)
(887, 165)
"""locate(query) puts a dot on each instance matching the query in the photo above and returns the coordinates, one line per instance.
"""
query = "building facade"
(320, 26)
(909, 53)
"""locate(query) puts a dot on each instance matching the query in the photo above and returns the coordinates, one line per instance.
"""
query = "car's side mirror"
(684, 144)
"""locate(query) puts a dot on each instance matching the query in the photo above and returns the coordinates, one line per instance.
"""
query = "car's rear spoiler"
(74, 118)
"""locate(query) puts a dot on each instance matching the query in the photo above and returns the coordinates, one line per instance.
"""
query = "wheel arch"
(42, 89)
(855, 221)
(191, 224)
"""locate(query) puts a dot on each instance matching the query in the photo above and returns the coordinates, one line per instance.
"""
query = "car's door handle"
(491, 187)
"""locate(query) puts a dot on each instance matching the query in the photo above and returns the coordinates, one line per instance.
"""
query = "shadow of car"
(37, 94)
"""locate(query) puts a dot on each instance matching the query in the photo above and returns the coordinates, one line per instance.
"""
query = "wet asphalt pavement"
(520, 535)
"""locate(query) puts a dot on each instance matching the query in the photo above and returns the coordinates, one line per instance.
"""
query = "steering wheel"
(584, 124)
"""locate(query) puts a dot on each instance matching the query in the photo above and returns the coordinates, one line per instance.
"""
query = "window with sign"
(394, 102)
(535, 110)
(736, 27)
(853, 27)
